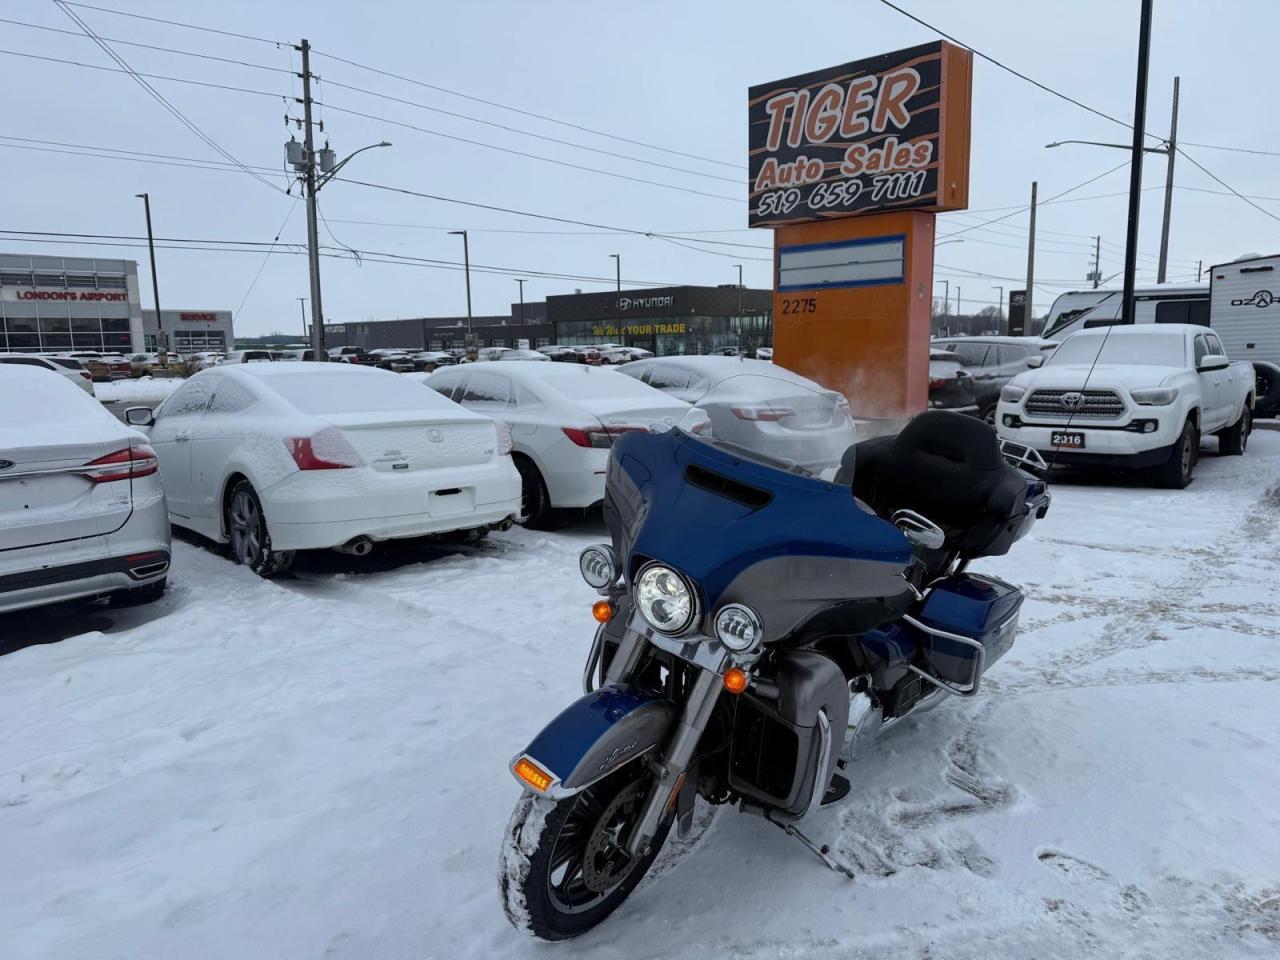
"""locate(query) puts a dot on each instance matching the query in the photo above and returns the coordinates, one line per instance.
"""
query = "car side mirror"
(919, 529)
(1213, 361)
(1036, 361)
(139, 417)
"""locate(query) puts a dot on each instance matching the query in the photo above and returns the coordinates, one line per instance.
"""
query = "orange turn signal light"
(602, 610)
(532, 774)
(735, 680)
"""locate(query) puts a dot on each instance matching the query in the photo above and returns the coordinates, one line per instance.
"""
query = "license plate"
(1068, 439)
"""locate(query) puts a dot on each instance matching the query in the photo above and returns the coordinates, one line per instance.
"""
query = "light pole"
(302, 306)
(1000, 315)
(521, 282)
(946, 301)
(617, 259)
(466, 267)
(1169, 150)
(739, 266)
(162, 352)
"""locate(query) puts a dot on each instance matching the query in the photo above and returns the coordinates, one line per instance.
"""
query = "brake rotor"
(606, 862)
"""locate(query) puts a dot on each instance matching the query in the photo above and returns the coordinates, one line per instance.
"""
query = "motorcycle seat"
(948, 467)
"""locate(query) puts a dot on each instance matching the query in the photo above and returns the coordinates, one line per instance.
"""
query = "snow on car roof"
(49, 400)
(718, 368)
(330, 388)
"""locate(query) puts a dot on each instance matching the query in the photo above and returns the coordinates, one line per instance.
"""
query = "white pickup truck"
(1132, 396)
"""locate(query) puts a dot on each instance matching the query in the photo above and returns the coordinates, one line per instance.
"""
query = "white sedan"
(279, 457)
(758, 405)
(82, 512)
(563, 419)
(67, 367)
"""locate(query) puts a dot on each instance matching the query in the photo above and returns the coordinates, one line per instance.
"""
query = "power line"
(159, 98)
(146, 46)
(1218, 146)
(528, 113)
(149, 76)
(1219, 180)
(533, 156)
(267, 256)
(172, 23)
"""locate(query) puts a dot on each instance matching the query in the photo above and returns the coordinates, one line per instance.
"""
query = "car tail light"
(125, 464)
(762, 413)
(326, 450)
(86, 374)
(936, 383)
(599, 437)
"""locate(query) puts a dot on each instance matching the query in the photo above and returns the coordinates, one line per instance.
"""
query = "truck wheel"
(1176, 471)
(1266, 387)
(1233, 441)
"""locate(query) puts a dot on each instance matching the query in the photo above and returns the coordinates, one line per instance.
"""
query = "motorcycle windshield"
(778, 420)
(749, 527)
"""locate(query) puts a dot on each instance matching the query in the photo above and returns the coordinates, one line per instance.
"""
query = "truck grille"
(1093, 404)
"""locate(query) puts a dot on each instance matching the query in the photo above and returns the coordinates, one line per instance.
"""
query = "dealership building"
(58, 304)
(666, 320)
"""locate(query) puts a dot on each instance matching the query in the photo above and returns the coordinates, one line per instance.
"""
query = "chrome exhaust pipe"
(506, 523)
(357, 546)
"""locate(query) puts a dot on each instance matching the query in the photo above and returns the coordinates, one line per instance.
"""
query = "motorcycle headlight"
(599, 566)
(738, 627)
(1154, 397)
(665, 599)
(1011, 394)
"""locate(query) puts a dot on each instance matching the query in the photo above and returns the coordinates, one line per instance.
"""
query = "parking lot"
(316, 766)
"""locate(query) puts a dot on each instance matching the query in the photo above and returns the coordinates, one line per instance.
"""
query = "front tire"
(1176, 472)
(248, 534)
(561, 871)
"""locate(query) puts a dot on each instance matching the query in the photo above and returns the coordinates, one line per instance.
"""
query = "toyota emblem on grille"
(5, 464)
(1072, 400)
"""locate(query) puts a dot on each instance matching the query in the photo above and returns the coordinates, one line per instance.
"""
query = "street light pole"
(1001, 308)
(618, 263)
(162, 353)
(521, 282)
(1135, 164)
(1168, 187)
(946, 301)
(302, 306)
(466, 267)
(739, 266)
(313, 236)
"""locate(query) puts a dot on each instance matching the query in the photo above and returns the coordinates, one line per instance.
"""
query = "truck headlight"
(665, 599)
(738, 627)
(1154, 396)
(1011, 394)
(599, 566)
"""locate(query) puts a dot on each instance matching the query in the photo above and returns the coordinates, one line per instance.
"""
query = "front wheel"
(564, 866)
(1176, 472)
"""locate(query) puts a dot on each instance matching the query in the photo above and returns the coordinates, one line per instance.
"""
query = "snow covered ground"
(316, 767)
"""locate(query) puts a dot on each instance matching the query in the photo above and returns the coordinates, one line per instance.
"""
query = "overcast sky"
(670, 74)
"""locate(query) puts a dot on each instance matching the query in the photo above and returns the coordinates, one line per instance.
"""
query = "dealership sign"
(27, 293)
(885, 133)
(206, 317)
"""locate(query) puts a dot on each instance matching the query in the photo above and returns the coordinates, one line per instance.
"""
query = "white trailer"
(1244, 310)
(1166, 303)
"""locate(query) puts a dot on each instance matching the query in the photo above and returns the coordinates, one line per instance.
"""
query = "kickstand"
(823, 852)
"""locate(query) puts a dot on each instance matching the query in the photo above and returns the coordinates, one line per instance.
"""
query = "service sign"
(887, 133)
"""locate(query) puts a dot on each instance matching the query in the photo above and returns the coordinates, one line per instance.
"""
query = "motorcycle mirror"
(919, 529)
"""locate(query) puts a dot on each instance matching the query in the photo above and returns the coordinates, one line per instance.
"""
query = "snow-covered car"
(349, 354)
(204, 360)
(428, 360)
(523, 355)
(98, 368)
(491, 353)
(82, 511)
(618, 355)
(745, 398)
(280, 457)
(561, 354)
(119, 366)
(563, 420)
(247, 356)
(73, 370)
(764, 353)
(1137, 397)
(397, 361)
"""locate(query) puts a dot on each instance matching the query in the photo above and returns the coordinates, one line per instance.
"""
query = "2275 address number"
(800, 305)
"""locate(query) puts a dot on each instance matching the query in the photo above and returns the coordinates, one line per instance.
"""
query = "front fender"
(594, 736)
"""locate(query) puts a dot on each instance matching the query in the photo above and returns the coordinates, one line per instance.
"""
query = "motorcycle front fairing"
(742, 530)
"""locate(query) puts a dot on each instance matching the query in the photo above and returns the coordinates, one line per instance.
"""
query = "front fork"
(701, 700)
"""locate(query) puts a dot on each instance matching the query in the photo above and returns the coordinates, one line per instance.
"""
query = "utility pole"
(162, 353)
(521, 282)
(739, 266)
(1000, 315)
(957, 303)
(1172, 147)
(313, 237)
(946, 303)
(466, 267)
(302, 306)
(1031, 261)
(618, 263)
(1199, 269)
(1097, 261)
(1135, 163)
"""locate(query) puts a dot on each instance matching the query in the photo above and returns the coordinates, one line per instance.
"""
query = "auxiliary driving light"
(599, 566)
(738, 627)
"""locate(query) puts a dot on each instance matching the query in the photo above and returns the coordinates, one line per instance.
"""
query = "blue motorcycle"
(760, 614)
